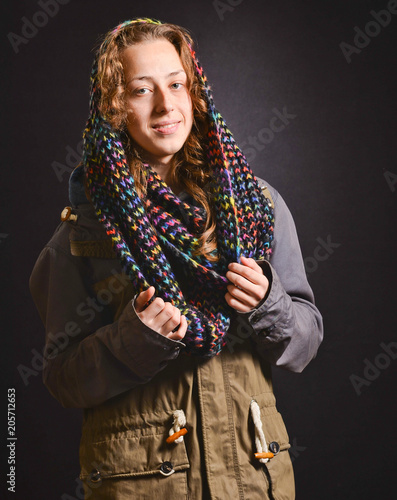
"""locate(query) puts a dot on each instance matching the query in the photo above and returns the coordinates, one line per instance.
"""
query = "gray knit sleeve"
(287, 326)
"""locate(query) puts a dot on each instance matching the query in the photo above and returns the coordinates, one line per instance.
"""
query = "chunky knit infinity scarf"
(145, 232)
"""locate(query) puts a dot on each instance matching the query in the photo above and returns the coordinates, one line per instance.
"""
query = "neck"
(163, 168)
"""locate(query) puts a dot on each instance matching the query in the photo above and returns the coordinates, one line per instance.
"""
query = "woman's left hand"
(248, 285)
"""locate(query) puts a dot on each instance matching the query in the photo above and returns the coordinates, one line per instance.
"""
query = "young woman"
(173, 283)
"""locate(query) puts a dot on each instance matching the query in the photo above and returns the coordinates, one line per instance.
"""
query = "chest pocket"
(136, 462)
(116, 290)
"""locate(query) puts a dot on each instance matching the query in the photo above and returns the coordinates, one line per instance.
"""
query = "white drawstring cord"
(179, 422)
(260, 440)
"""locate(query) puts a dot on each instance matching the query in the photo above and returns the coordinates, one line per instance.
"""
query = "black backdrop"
(334, 163)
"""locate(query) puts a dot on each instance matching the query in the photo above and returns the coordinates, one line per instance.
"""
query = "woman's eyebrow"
(146, 77)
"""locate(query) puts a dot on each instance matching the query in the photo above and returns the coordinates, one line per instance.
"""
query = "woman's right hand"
(160, 316)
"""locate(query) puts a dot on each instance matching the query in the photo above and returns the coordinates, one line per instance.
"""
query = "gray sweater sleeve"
(287, 325)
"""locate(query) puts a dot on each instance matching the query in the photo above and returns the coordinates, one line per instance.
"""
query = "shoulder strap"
(101, 249)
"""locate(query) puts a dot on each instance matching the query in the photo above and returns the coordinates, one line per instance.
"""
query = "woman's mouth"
(166, 127)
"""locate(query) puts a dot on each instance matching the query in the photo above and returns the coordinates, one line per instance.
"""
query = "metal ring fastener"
(166, 469)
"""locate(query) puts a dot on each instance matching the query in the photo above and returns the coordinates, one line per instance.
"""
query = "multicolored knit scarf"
(147, 234)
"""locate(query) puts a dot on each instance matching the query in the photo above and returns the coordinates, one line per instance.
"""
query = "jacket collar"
(77, 194)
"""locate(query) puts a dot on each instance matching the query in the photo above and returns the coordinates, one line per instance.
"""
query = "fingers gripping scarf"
(144, 232)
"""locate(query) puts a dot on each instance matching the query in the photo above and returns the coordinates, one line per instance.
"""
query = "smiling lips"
(166, 128)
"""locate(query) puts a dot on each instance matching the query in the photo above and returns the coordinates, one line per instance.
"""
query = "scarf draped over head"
(149, 233)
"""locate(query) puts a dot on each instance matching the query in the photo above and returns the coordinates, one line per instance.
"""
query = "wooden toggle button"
(176, 435)
(264, 455)
(66, 214)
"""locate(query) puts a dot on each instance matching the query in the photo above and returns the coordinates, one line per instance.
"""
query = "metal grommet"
(166, 469)
(274, 447)
(95, 476)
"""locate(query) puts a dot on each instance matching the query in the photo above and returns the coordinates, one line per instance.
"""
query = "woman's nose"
(163, 101)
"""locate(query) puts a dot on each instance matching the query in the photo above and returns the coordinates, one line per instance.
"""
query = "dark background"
(334, 163)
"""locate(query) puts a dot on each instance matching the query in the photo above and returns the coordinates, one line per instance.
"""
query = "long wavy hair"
(189, 167)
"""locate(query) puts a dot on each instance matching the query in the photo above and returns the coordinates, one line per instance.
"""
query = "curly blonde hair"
(189, 167)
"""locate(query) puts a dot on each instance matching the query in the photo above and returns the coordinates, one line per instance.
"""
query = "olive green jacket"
(129, 379)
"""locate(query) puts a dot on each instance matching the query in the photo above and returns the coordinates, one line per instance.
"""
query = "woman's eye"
(176, 86)
(142, 91)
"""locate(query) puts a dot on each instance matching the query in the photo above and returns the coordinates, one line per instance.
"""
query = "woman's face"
(160, 113)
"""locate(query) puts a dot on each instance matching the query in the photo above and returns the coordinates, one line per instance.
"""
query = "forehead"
(151, 58)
